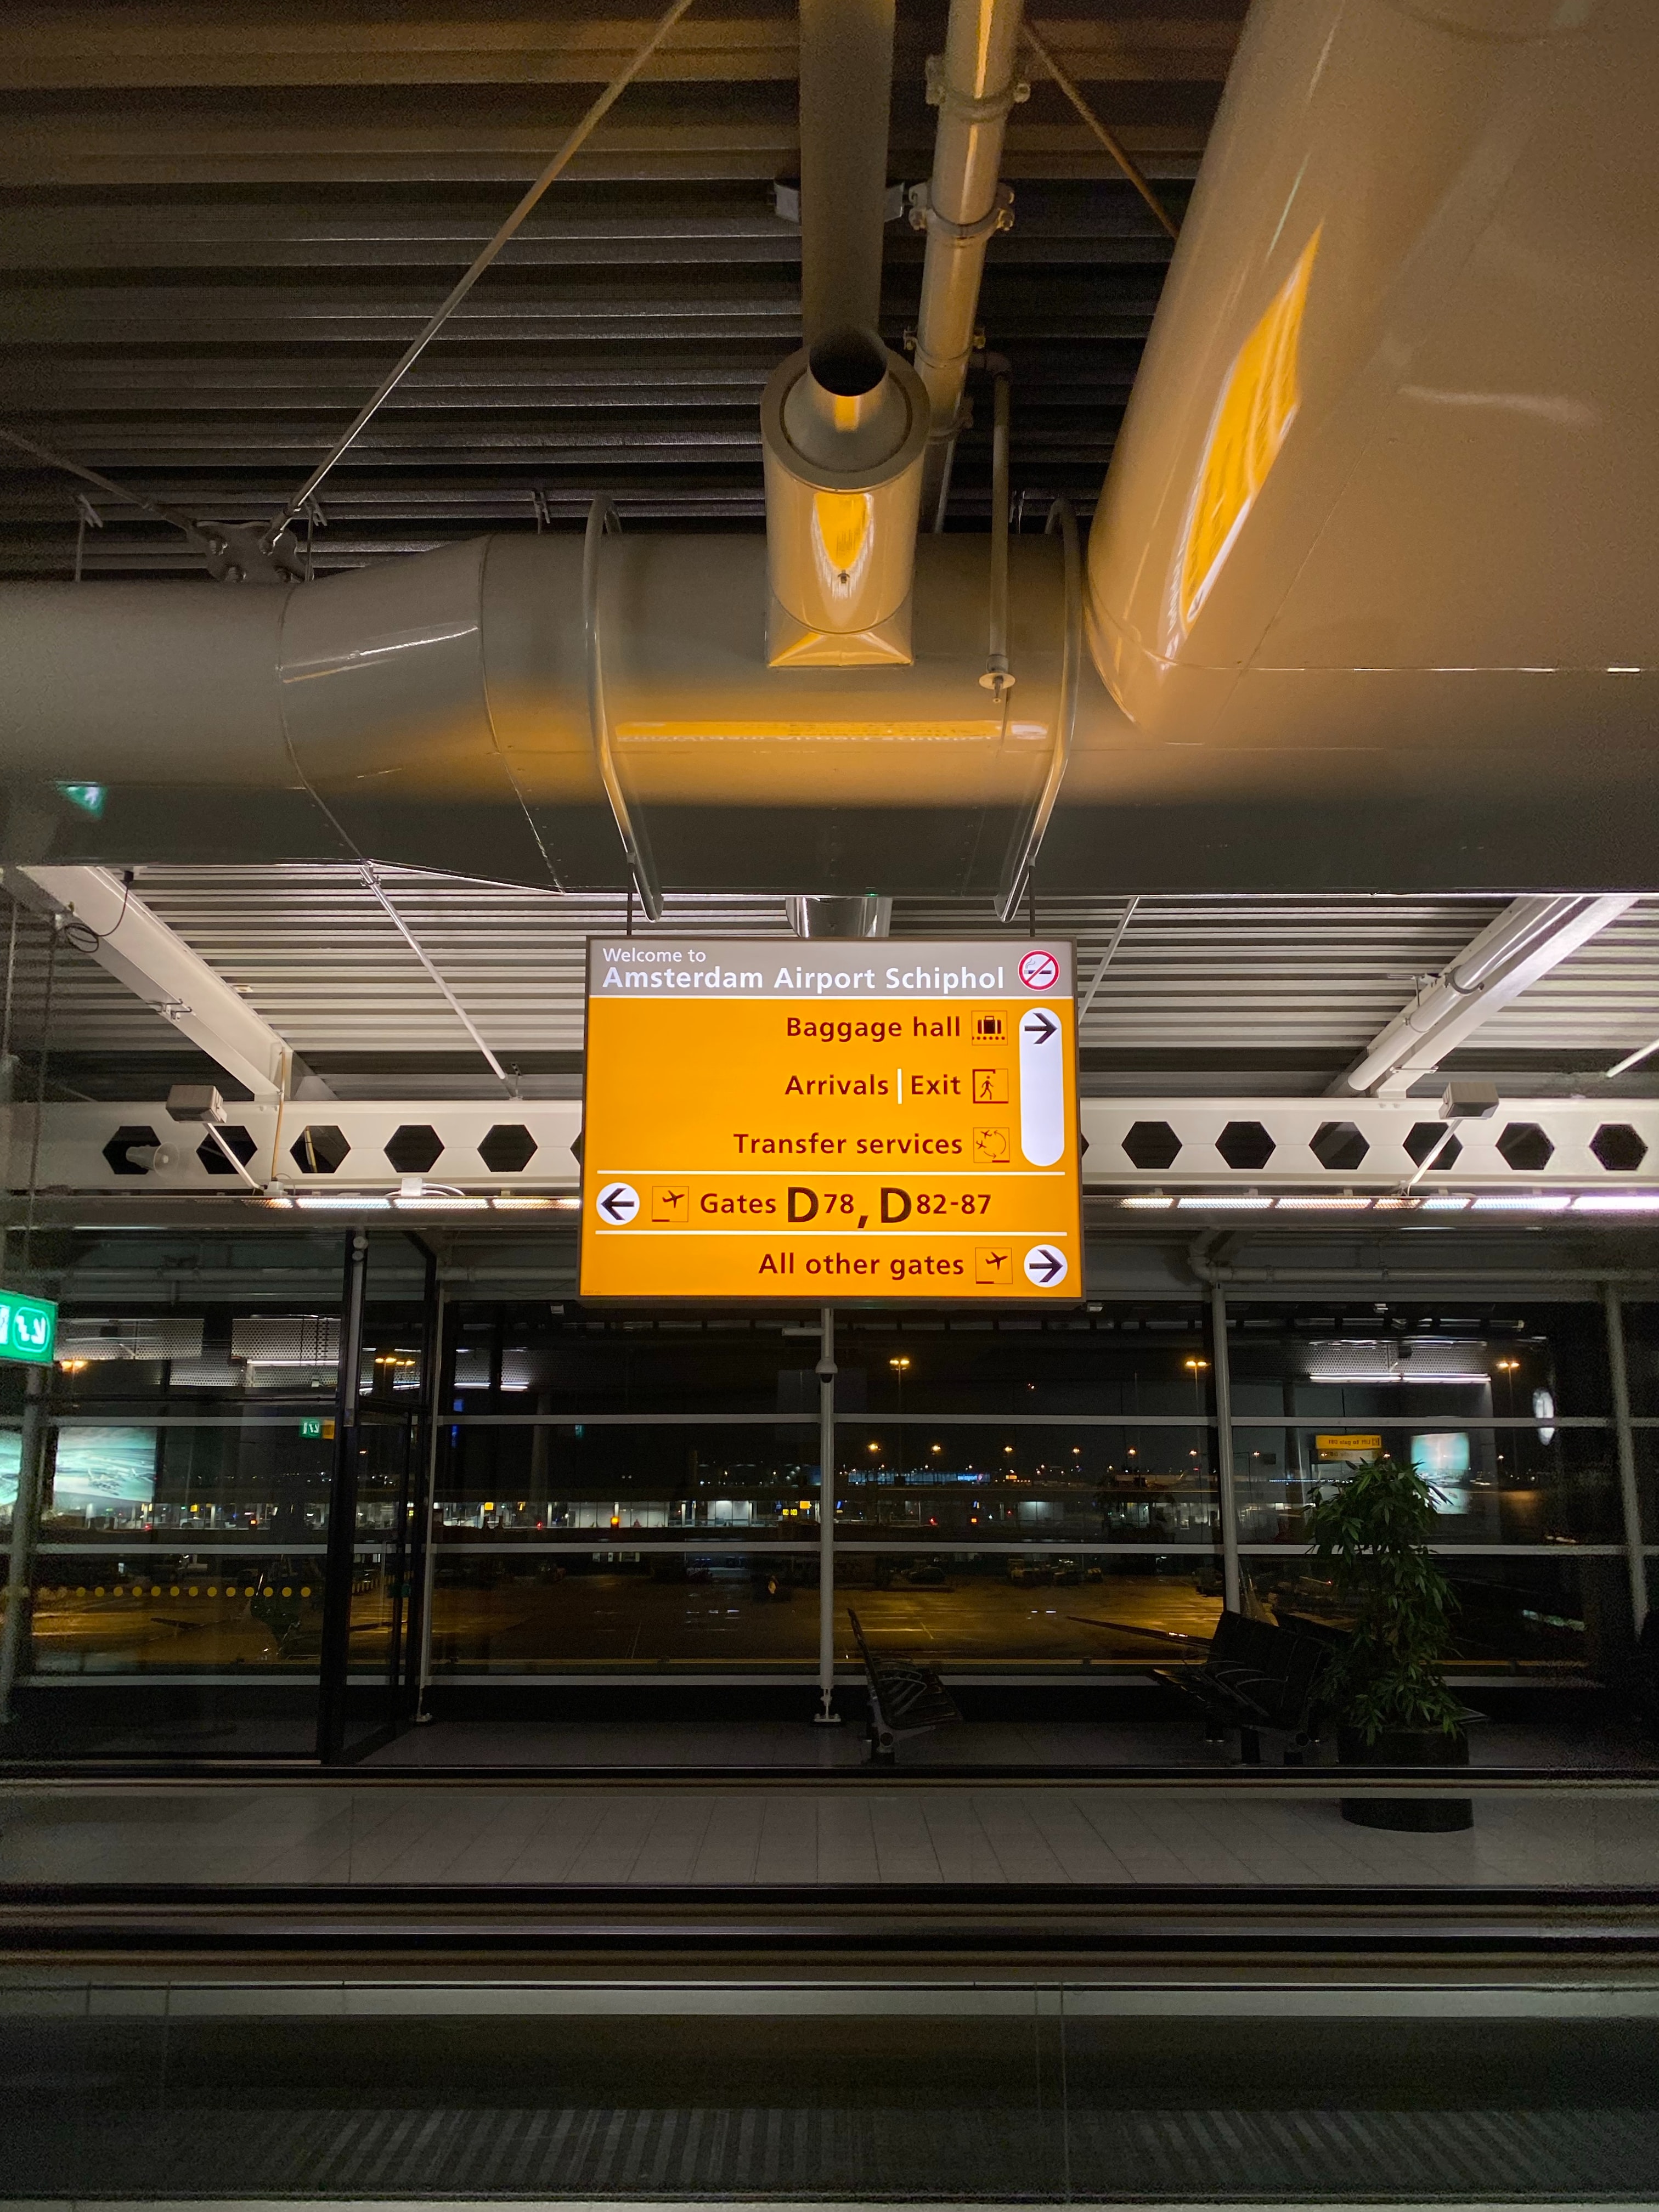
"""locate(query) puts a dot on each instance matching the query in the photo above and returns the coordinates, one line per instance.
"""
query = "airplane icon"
(993, 1263)
(671, 1201)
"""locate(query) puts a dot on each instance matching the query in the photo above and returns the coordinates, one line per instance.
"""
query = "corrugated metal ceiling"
(1279, 991)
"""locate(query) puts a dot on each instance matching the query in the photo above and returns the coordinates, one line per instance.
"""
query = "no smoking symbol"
(1039, 971)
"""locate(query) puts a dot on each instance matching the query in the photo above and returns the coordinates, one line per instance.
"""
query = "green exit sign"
(311, 1428)
(28, 1328)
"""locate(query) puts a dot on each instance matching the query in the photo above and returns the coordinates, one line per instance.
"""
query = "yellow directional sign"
(819, 1121)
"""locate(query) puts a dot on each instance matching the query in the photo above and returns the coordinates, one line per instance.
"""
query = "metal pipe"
(827, 1713)
(1531, 936)
(1226, 1495)
(996, 679)
(1630, 1498)
(960, 208)
(16, 1638)
(846, 94)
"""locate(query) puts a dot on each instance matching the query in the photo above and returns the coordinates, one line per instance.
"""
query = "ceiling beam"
(1530, 937)
(157, 966)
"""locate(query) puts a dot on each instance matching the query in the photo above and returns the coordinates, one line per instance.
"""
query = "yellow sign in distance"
(1357, 1442)
(824, 1121)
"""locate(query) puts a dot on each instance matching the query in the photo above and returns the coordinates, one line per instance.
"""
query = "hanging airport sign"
(822, 1120)
(28, 1328)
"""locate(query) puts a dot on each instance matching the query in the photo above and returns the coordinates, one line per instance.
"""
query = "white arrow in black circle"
(619, 1202)
(1045, 1266)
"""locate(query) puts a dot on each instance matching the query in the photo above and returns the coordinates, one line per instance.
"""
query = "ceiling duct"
(868, 916)
(844, 421)
(1386, 483)
(1368, 584)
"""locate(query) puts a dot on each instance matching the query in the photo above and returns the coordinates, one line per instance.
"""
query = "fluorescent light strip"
(315, 1203)
(440, 1205)
(1618, 1202)
(1149, 1205)
(1444, 1205)
(536, 1205)
(1536, 1204)
(1228, 1205)
(1322, 1205)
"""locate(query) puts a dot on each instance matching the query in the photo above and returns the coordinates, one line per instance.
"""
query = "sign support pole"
(1227, 1494)
(1630, 1498)
(426, 1518)
(340, 1563)
(827, 1716)
(24, 1529)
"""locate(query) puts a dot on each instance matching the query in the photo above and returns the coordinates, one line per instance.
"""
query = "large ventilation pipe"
(1386, 486)
(844, 421)
(961, 207)
(437, 711)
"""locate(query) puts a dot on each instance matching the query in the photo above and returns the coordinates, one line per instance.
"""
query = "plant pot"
(1407, 1747)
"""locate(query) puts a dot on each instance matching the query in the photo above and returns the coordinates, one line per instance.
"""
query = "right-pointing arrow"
(1045, 1265)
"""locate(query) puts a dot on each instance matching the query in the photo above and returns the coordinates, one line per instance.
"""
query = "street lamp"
(1507, 1369)
(1195, 1368)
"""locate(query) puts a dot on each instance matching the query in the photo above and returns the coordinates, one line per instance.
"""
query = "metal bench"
(1255, 1677)
(906, 1699)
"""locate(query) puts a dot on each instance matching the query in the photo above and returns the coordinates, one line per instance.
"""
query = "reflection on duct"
(1259, 404)
(843, 430)
(843, 525)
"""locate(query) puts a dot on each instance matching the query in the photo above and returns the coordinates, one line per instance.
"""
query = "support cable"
(566, 153)
(371, 877)
(1119, 153)
(1106, 960)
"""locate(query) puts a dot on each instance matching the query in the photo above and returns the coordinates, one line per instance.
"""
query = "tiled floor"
(473, 1834)
(1592, 1742)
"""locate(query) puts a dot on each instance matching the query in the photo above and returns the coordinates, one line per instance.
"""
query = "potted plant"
(1385, 1685)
